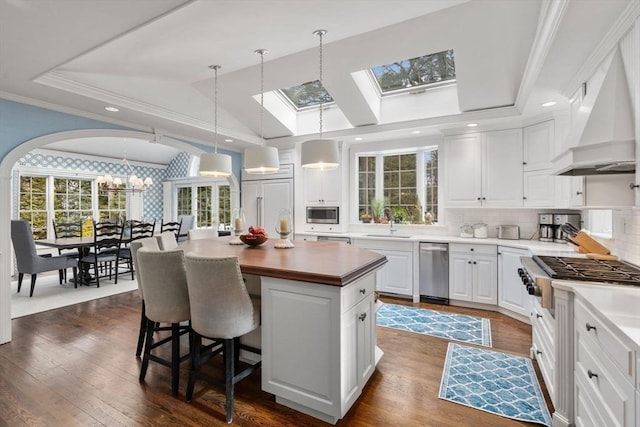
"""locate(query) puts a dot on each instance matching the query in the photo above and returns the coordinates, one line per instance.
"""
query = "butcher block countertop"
(327, 263)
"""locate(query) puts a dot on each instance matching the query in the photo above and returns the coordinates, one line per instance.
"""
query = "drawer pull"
(362, 316)
(590, 327)
(538, 316)
(362, 291)
(591, 374)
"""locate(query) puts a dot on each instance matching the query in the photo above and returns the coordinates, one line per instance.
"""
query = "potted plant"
(398, 214)
(366, 218)
(377, 208)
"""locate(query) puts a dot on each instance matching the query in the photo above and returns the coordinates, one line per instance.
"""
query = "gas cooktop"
(592, 270)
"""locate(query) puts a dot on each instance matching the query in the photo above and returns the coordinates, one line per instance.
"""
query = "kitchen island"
(318, 319)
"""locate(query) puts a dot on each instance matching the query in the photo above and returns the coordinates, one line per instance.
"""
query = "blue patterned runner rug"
(494, 382)
(452, 326)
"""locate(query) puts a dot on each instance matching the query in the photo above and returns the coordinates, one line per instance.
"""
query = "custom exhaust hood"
(602, 134)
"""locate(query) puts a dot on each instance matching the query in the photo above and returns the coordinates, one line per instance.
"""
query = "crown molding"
(551, 15)
(609, 42)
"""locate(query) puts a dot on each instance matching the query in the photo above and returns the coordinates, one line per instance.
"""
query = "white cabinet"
(604, 372)
(576, 191)
(538, 146)
(473, 271)
(512, 294)
(319, 343)
(396, 276)
(263, 200)
(484, 169)
(538, 189)
(322, 187)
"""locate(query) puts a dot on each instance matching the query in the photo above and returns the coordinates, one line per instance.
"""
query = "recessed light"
(112, 109)
(415, 132)
(472, 125)
(358, 138)
(228, 140)
(549, 104)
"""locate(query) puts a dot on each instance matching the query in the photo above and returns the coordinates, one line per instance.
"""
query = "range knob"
(521, 272)
(531, 289)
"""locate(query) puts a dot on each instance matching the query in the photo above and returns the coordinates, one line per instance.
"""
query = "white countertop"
(535, 246)
(619, 305)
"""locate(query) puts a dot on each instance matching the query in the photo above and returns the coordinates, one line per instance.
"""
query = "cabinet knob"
(591, 374)
(590, 327)
(474, 262)
(524, 163)
(479, 198)
(484, 198)
(578, 193)
(471, 249)
(538, 316)
(362, 316)
(468, 262)
(362, 291)
(538, 352)
(524, 197)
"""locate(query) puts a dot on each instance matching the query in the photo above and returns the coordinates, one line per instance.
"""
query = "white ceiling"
(150, 59)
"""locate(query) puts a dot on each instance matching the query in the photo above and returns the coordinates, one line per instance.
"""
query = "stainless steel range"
(538, 272)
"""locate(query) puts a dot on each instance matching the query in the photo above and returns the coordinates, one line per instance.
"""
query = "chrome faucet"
(392, 229)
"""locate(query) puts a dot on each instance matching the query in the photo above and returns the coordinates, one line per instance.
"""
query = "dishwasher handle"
(433, 249)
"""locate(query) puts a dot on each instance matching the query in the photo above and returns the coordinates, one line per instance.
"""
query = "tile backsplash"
(626, 234)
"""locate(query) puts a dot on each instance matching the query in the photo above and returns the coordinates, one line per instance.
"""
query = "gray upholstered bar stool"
(150, 243)
(166, 299)
(167, 241)
(221, 309)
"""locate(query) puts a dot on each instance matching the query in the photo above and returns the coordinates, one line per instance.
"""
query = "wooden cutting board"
(590, 244)
(602, 257)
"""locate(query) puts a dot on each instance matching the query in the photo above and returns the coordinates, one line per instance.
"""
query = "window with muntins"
(33, 204)
(72, 199)
(403, 185)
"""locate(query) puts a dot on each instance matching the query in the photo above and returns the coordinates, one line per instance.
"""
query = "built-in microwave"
(323, 215)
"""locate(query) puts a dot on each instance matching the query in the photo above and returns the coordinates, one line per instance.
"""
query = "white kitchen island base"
(318, 344)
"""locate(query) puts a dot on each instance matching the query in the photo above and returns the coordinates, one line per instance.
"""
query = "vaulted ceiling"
(150, 60)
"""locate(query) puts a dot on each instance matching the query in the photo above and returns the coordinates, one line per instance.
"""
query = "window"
(204, 201)
(33, 204)
(72, 200)
(402, 182)
(366, 184)
(112, 206)
(415, 72)
(307, 95)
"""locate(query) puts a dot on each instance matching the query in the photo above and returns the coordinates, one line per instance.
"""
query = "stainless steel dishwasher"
(434, 272)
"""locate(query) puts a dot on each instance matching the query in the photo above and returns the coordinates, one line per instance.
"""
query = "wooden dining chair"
(136, 230)
(172, 226)
(27, 259)
(67, 229)
(105, 251)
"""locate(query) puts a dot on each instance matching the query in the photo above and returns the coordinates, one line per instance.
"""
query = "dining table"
(82, 244)
(318, 327)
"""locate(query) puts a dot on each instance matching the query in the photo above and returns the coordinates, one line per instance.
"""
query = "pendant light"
(214, 164)
(263, 160)
(320, 153)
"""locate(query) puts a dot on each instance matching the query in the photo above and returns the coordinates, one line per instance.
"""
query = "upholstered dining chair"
(202, 233)
(150, 243)
(166, 299)
(221, 310)
(187, 222)
(167, 240)
(30, 262)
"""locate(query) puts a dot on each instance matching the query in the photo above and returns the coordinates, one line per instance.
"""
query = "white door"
(485, 280)
(277, 194)
(462, 168)
(460, 277)
(512, 294)
(538, 147)
(502, 173)
(539, 188)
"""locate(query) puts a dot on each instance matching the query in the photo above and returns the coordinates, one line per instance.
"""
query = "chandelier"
(107, 183)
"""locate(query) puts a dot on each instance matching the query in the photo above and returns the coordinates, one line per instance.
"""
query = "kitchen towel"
(495, 382)
(452, 326)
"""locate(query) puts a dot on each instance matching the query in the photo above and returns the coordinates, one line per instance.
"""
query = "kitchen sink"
(395, 236)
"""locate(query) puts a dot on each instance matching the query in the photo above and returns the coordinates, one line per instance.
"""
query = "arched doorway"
(6, 167)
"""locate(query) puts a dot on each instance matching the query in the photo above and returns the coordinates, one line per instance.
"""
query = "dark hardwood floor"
(76, 366)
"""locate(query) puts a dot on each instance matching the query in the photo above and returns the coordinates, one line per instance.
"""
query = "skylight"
(307, 95)
(415, 72)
